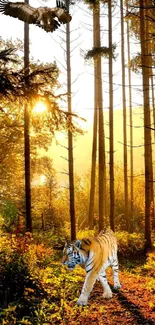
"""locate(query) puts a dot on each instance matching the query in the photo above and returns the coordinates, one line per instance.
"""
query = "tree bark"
(153, 108)
(131, 132)
(70, 137)
(101, 140)
(111, 122)
(94, 147)
(26, 134)
(147, 131)
(124, 120)
(153, 101)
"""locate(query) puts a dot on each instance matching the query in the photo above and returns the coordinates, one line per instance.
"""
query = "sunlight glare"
(39, 108)
(42, 179)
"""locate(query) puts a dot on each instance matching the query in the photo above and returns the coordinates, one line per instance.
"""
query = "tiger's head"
(72, 254)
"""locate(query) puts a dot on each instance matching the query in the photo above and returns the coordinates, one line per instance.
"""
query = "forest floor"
(133, 304)
(36, 289)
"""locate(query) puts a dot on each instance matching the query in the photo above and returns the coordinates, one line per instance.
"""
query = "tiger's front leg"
(87, 288)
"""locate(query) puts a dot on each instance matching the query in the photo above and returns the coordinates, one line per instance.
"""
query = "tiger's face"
(71, 256)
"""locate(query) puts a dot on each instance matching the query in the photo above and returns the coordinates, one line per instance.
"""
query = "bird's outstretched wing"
(20, 10)
(63, 16)
(42, 17)
(61, 12)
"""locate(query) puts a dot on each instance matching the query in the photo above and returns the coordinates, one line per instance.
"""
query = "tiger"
(97, 253)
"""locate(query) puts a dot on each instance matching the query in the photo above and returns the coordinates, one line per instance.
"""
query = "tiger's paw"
(82, 301)
(107, 294)
(117, 286)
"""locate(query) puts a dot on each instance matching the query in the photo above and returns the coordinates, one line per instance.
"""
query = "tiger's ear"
(78, 243)
(66, 244)
(66, 241)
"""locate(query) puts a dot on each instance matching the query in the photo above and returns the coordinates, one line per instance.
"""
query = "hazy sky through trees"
(47, 47)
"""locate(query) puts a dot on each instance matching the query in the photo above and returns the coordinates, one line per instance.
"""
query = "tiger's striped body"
(97, 254)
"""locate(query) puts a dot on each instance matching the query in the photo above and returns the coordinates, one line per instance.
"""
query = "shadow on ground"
(134, 310)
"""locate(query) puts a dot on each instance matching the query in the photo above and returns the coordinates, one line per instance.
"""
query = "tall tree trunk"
(149, 62)
(147, 131)
(131, 131)
(26, 134)
(153, 101)
(124, 119)
(101, 142)
(111, 122)
(94, 147)
(153, 109)
(70, 136)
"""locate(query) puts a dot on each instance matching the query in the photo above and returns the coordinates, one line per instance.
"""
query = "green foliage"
(10, 215)
(43, 82)
(97, 52)
(48, 237)
(33, 288)
(21, 290)
(43, 193)
(93, 4)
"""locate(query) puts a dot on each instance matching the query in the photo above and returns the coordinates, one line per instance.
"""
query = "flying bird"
(47, 18)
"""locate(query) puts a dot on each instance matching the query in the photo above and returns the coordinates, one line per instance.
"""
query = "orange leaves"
(20, 244)
(41, 251)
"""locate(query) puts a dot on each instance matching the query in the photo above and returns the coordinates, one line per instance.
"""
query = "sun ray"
(39, 108)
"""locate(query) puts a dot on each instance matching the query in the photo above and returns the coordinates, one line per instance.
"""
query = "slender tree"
(124, 119)
(94, 150)
(131, 129)
(70, 136)
(97, 53)
(94, 146)
(153, 111)
(147, 131)
(153, 99)
(101, 139)
(149, 48)
(111, 121)
(149, 67)
(26, 133)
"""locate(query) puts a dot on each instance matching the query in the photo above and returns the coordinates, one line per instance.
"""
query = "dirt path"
(132, 305)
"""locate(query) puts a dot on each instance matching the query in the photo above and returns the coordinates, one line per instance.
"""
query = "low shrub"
(20, 264)
(150, 264)
(129, 244)
(38, 256)
(86, 233)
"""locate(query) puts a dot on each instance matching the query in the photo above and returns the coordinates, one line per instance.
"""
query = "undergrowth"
(35, 288)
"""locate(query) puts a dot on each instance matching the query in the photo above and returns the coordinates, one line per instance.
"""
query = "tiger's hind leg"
(107, 293)
(115, 268)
